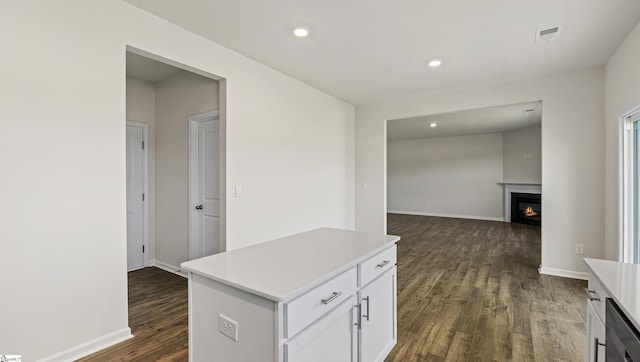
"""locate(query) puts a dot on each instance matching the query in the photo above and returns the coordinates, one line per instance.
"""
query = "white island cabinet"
(621, 283)
(323, 295)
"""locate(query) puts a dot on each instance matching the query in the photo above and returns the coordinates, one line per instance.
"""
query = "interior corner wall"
(622, 94)
(522, 160)
(447, 176)
(177, 97)
(141, 107)
(572, 157)
(62, 149)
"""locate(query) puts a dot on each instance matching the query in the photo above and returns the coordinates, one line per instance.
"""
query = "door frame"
(145, 189)
(193, 121)
(626, 185)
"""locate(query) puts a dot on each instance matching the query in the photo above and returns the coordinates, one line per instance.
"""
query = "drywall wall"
(522, 160)
(572, 157)
(62, 149)
(622, 94)
(177, 97)
(141, 107)
(447, 176)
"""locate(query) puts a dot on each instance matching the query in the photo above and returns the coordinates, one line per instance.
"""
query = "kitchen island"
(322, 295)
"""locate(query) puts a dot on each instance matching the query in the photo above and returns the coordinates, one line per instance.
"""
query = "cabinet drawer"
(598, 296)
(376, 265)
(304, 310)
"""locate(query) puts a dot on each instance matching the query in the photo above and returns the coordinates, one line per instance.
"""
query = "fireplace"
(526, 208)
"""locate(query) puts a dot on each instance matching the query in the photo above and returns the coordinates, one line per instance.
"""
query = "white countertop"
(622, 283)
(282, 268)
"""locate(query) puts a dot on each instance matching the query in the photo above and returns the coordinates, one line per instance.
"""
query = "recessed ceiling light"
(433, 125)
(434, 63)
(300, 32)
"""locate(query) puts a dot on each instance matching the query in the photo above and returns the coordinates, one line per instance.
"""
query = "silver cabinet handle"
(366, 315)
(331, 298)
(589, 296)
(381, 265)
(598, 344)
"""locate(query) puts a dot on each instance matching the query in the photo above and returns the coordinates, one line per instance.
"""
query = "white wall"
(141, 107)
(622, 94)
(572, 157)
(177, 97)
(447, 176)
(62, 150)
(522, 160)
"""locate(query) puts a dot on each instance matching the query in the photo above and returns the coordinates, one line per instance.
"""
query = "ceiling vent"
(545, 35)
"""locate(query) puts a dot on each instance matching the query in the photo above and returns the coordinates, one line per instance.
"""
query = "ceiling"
(476, 121)
(147, 69)
(365, 51)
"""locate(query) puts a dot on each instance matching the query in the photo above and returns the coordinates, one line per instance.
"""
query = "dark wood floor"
(467, 291)
(158, 319)
(470, 291)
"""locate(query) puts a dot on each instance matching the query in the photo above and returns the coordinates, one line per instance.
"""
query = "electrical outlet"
(228, 327)
(579, 249)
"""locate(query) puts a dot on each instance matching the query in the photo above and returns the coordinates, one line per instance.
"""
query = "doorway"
(167, 97)
(462, 164)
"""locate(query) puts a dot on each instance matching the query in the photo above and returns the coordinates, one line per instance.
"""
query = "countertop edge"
(392, 240)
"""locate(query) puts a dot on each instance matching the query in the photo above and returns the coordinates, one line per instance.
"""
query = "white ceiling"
(147, 69)
(366, 51)
(475, 121)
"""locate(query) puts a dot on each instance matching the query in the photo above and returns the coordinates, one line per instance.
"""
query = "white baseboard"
(91, 346)
(564, 273)
(488, 218)
(168, 267)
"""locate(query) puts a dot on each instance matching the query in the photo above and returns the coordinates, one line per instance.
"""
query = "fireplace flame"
(528, 212)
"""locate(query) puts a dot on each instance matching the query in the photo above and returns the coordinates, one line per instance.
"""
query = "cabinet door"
(378, 317)
(596, 334)
(331, 338)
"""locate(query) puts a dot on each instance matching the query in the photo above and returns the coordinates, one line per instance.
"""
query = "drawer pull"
(333, 297)
(598, 344)
(589, 296)
(381, 265)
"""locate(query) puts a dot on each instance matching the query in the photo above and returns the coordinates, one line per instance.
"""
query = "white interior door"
(205, 186)
(135, 198)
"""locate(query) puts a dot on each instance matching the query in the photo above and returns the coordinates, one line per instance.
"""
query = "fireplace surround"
(518, 187)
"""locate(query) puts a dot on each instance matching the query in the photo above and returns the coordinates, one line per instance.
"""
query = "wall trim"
(563, 273)
(92, 346)
(168, 267)
(487, 218)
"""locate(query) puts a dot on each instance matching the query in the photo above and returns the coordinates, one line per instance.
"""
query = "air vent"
(548, 34)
